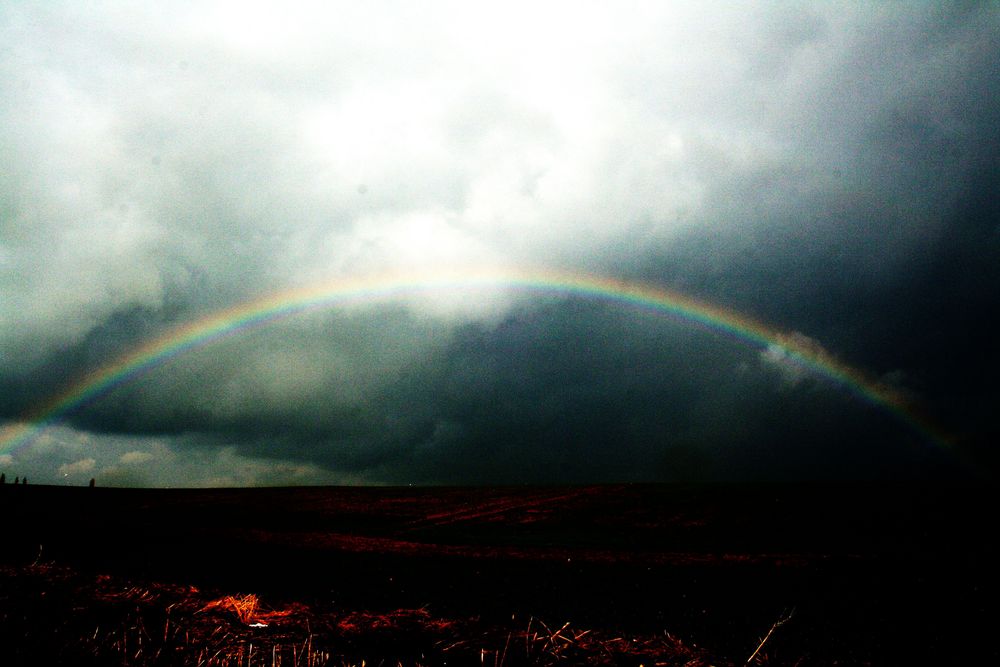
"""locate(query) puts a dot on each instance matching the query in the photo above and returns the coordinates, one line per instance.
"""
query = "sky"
(826, 169)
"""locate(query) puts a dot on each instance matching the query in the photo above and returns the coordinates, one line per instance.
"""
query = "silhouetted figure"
(91, 482)
(3, 478)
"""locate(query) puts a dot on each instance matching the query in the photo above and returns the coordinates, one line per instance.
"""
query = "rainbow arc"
(257, 313)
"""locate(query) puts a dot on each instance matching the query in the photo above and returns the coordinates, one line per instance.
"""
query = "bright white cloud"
(256, 147)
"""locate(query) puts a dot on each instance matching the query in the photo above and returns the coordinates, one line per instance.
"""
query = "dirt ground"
(823, 574)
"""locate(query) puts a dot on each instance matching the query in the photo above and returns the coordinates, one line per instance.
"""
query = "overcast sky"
(827, 168)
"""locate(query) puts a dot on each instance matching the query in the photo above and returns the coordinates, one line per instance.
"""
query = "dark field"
(878, 574)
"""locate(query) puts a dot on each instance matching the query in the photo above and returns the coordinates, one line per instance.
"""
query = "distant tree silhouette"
(91, 482)
(17, 480)
(24, 481)
(3, 478)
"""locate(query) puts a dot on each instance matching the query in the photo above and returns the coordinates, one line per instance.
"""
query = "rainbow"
(249, 315)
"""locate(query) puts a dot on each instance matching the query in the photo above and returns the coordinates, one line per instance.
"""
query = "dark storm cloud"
(830, 169)
(575, 391)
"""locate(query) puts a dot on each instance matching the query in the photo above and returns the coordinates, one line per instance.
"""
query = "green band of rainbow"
(253, 314)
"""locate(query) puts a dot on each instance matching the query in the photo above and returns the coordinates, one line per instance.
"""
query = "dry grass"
(243, 606)
(248, 610)
(540, 644)
(106, 620)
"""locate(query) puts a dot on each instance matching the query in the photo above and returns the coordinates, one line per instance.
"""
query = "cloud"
(135, 458)
(792, 370)
(826, 168)
(81, 467)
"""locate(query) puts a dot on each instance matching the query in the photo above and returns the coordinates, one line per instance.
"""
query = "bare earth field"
(823, 574)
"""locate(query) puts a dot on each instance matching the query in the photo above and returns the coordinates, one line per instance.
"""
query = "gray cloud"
(828, 168)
